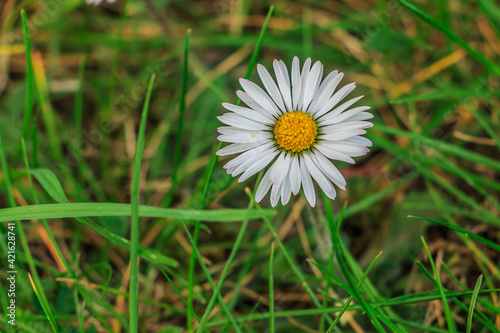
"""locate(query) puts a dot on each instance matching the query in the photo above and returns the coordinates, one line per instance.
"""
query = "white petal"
(246, 156)
(264, 186)
(341, 135)
(349, 126)
(332, 118)
(359, 140)
(333, 154)
(245, 137)
(236, 170)
(250, 114)
(280, 168)
(286, 191)
(283, 82)
(260, 96)
(277, 168)
(230, 130)
(320, 178)
(275, 194)
(338, 110)
(325, 91)
(259, 165)
(294, 175)
(329, 169)
(306, 68)
(236, 148)
(235, 120)
(335, 99)
(271, 87)
(348, 148)
(360, 116)
(250, 102)
(307, 183)
(312, 83)
(296, 83)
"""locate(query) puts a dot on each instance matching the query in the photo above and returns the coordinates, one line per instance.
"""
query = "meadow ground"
(105, 107)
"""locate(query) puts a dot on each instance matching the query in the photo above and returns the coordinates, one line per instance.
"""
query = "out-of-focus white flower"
(297, 126)
(98, 2)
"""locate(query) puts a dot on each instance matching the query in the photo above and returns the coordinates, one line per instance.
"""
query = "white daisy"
(97, 2)
(297, 126)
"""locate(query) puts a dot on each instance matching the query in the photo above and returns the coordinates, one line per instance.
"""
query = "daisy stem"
(225, 271)
(294, 267)
(211, 168)
(223, 305)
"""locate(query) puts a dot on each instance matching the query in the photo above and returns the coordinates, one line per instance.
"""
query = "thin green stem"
(211, 168)
(134, 220)
(180, 122)
(271, 290)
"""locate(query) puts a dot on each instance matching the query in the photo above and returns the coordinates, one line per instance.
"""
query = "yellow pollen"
(295, 131)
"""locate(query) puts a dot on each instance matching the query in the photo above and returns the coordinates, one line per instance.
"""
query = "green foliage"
(163, 241)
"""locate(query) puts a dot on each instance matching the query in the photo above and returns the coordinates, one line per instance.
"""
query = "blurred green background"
(428, 69)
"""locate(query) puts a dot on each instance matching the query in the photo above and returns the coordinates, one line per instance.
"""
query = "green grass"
(108, 134)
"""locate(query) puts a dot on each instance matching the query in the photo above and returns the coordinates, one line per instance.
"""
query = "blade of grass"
(447, 311)
(42, 301)
(403, 300)
(225, 271)
(24, 242)
(294, 267)
(444, 146)
(180, 122)
(351, 264)
(470, 234)
(345, 271)
(50, 184)
(180, 295)
(349, 300)
(330, 217)
(424, 16)
(223, 305)
(28, 103)
(105, 150)
(422, 328)
(470, 178)
(423, 168)
(134, 215)
(368, 287)
(60, 256)
(485, 122)
(485, 264)
(379, 195)
(473, 303)
(477, 314)
(78, 109)
(5, 304)
(213, 162)
(492, 12)
(271, 290)
(86, 209)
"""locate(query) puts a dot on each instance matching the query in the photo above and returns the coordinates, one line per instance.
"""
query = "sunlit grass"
(95, 186)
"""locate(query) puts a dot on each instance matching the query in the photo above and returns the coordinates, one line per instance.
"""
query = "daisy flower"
(97, 2)
(296, 126)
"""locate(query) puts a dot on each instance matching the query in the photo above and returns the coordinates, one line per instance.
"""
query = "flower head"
(298, 127)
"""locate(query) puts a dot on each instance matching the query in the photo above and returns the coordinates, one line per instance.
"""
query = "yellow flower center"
(295, 131)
